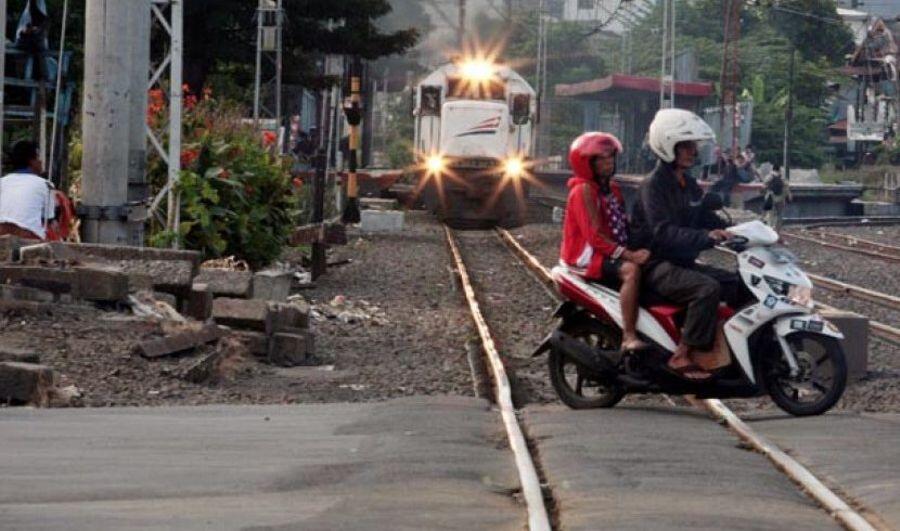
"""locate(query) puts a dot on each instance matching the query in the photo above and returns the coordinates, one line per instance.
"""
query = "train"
(475, 125)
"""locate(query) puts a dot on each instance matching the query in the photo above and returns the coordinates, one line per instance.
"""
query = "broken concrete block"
(20, 355)
(47, 251)
(25, 383)
(226, 283)
(378, 203)
(855, 328)
(22, 293)
(199, 302)
(294, 315)
(180, 342)
(272, 284)
(290, 350)
(381, 221)
(256, 343)
(100, 284)
(248, 314)
(9, 246)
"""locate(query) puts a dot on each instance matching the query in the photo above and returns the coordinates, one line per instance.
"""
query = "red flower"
(269, 138)
(188, 157)
(298, 183)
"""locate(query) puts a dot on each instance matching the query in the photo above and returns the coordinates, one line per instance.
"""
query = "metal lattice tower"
(269, 51)
(169, 15)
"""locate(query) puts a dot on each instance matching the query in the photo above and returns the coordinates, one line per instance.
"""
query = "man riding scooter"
(670, 220)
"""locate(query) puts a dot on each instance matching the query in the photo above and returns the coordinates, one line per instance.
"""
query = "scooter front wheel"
(579, 389)
(820, 382)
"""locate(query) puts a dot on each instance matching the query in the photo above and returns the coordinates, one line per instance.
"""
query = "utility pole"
(2, 68)
(353, 111)
(112, 56)
(667, 57)
(462, 24)
(789, 118)
(730, 71)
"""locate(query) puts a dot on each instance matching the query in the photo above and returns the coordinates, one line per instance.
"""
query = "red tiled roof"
(633, 83)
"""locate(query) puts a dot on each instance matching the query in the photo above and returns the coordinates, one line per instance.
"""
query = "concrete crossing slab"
(418, 463)
(859, 453)
(647, 469)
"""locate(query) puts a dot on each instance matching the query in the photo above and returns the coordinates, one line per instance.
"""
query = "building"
(625, 105)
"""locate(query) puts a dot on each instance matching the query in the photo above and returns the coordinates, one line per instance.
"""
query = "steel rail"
(866, 252)
(827, 498)
(538, 518)
(857, 243)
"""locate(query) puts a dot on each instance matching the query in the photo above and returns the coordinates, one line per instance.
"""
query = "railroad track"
(834, 504)
(849, 243)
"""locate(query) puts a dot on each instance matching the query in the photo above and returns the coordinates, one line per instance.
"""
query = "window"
(494, 89)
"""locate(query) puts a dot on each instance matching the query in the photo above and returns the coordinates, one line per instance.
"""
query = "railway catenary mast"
(474, 127)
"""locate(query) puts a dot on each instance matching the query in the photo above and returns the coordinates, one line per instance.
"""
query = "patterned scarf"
(615, 213)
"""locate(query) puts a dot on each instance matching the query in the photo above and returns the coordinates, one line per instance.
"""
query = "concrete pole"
(2, 68)
(108, 110)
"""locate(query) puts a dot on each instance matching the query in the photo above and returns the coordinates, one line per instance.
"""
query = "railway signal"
(353, 112)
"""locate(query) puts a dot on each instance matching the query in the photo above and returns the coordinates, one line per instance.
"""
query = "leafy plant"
(236, 197)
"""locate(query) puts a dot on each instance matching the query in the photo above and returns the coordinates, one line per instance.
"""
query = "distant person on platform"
(26, 198)
(777, 194)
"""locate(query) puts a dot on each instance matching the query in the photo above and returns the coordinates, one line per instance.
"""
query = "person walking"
(777, 194)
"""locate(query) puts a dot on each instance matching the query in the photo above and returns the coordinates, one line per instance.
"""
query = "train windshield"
(491, 89)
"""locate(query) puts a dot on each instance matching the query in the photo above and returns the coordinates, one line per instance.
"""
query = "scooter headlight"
(800, 295)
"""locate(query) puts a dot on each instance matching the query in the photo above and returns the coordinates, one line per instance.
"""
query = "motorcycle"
(777, 346)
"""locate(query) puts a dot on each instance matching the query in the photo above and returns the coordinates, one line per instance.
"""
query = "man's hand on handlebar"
(639, 257)
(720, 235)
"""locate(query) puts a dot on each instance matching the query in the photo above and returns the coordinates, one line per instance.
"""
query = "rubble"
(180, 342)
(272, 284)
(199, 302)
(247, 314)
(350, 312)
(226, 283)
(20, 355)
(26, 383)
(290, 350)
(88, 283)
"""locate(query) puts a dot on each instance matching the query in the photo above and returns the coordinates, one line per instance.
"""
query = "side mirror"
(520, 109)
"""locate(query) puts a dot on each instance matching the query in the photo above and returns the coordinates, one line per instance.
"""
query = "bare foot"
(633, 343)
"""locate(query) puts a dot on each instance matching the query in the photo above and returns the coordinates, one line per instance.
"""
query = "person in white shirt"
(26, 198)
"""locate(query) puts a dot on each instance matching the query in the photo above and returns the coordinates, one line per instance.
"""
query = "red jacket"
(587, 237)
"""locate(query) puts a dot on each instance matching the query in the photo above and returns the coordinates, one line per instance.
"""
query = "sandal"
(691, 372)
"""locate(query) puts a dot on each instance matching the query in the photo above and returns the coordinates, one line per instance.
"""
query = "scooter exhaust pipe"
(595, 359)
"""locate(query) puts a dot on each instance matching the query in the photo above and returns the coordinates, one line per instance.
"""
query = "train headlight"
(435, 164)
(514, 167)
(477, 70)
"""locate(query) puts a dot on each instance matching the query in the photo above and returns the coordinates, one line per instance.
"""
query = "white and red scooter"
(777, 346)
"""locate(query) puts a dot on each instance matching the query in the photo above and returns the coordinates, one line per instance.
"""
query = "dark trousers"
(699, 288)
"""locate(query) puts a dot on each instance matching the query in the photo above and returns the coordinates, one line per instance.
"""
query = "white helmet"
(671, 126)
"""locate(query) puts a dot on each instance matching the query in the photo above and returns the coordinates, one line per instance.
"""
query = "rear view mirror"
(520, 109)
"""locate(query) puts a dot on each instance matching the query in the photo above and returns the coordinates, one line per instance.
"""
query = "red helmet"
(590, 145)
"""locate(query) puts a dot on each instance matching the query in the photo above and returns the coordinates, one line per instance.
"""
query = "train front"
(474, 140)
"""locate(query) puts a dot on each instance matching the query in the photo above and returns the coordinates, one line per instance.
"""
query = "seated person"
(26, 199)
(595, 232)
(669, 219)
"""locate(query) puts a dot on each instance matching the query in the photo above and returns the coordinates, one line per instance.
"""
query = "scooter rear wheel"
(578, 387)
(822, 378)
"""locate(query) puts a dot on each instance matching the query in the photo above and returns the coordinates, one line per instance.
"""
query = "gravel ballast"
(399, 329)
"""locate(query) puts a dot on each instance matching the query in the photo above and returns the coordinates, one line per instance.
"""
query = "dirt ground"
(400, 330)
